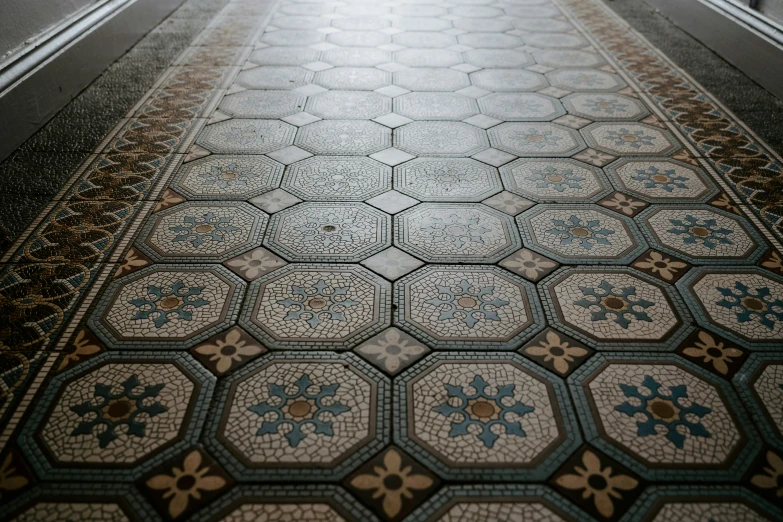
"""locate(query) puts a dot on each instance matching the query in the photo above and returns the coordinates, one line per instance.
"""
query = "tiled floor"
(463, 260)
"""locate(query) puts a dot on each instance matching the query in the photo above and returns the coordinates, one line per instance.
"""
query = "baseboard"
(732, 35)
(38, 84)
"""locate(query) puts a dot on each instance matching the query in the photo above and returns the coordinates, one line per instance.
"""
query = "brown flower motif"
(186, 483)
(9, 480)
(556, 350)
(724, 202)
(663, 266)
(597, 482)
(527, 264)
(392, 482)
(774, 475)
(773, 262)
(168, 199)
(714, 352)
(82, 346)
(229, 350)
(133, 261)
(624, 204)
(254, 264)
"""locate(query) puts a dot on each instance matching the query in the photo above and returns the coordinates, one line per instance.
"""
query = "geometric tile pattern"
(145, 286)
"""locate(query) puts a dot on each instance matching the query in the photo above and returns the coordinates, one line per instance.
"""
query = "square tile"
(317, 66)
(594, 157)
(555, 92)
(466, 68)
(575, 122)
(392, 202)
(227, 351)
(289, 155)
(392, 67)
(482, 121)
(254, 264)
(557, 352)
(300, 118)
(509, 203)
(392, 120)
(392, 91)
(494, 157)
(530, 265)
(392, 350)
(310, 89)
(392, 263)
(539, 68)
(275, 201)
(392, 156)
(473, 92)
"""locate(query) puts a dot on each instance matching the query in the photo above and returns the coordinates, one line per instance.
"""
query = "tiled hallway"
(446, 260)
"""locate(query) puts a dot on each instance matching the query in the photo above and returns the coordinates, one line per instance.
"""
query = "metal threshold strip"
(751, 17)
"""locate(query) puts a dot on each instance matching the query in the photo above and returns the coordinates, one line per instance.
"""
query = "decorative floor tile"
(490, 416)
(335, 178)
(556, 352)
(521, 107)
(344, 137)
(274, 77)
(392, 263)
(425, 79)
(392, 350)
(509, 203)
(701, 234)
(467, 307)
(392, 202)
(328, 232)
(354, 78)
(548, 180)
(227, 351)
(111, 414)
(456, 232)
(662, 180)
(508, 80)
(429, 179)
(713, 353)
(275, 201)
(440, 138)
(616, 309)
(247, 136)
(290, 37)
(536, 139)
(659, 416)
(309, 306)
(172, 306)
(358, 39)
(228, 177)
(435, 106)
(605, 107)
(428, 57)
(262, 104)
(356, 57)
(568, 58)
(276, 415)
(581, 234)
(665, 268)
(202, 231)
(744, 304)
(283, 56)
(358, 105)
(490, 40)
(252, 265)
(554, 40)
(760, 384)
(585, 80)
(529, 265)
(630, 138)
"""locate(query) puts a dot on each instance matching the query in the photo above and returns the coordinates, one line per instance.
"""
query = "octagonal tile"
(435, 106)
(360, 23)
(701, 234)
(431, 79)
(356, 56)
(283, 56)
(113, 413)
(428, 57)
(542, 25)
(664, 418)
(274, 77)
(476, 11)
(760, 384)
(167, 306)
(456, 232)
(508, 80)
(554, 40)
(477, 307)
(521, 107)
(623, 139)
(697, 503)
(424, 39)
(328, 232)
(490, 40)
(203, 231)
(440, 138)
(419, 23)
(615, 308)
(246, 136)
(358, 39)
(292, 37)
(554, 180)
(536, 139)
(349, 105)
(482, 24)
(581, 234)
(344, 137)
(262, 104)
(457, 179)
(744, 303)
(227, 177)
(585, 80)
(308, 306)
(353, 78)
(605, 107)
(277, 414)
(662, 180)
(337, 178)
(568, 58)
(492, 58)
(491, 416)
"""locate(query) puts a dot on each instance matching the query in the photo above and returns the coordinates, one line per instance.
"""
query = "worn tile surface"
(479, 260)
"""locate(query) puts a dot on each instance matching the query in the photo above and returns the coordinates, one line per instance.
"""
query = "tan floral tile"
(392, 350)
(14, 476)
(83, 346)
(772, 261)
(767, 475)
(714, 353)
(168, 199)
(724, 201)
(227, 350)
(133, 260)
(557, 352)
(662, 266)
(254, 264)
(623, 204)
(529, 264)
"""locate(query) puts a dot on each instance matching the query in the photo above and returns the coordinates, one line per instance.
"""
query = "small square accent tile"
(473, 92)
(167, 200)
(392, 120)
(557, 352)
(310, 89)
(509, 203)
(300, 118)
(772, 261)
(683, 155)
(227, 350)
(323, 46)
(195, 152)
(288, 155)
(392, 350)
(133, 261)
(623, 204)
(530, 265)
(392, 67)
(252, 265)
(235, 89)
(318, 66)
(494, 157)
(466, 68)
(392, 91)
(392, 263)
(663, 266)
(539, 68)
(218, 116)
(554, 92)
(713, 353)
(575, 122)
(724, 202)
(482, 121)
(392, 202)
(248, 65)
(594, 157)
(392, 156)
(652, 120)
(83, 347)
(275, 201)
